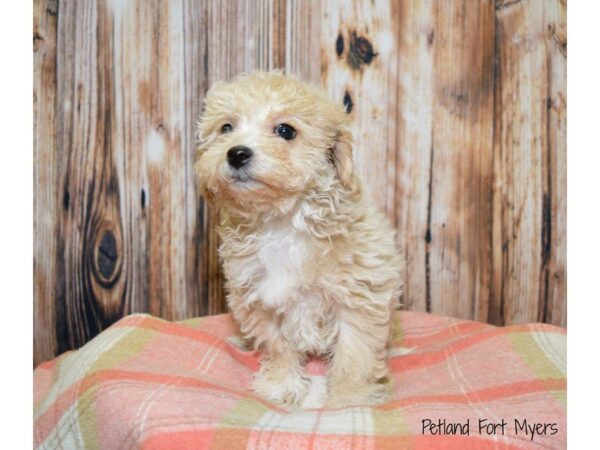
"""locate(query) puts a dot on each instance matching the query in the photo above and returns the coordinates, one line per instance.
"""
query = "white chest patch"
(282, 253)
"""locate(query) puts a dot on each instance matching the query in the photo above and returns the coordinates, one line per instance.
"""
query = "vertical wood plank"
(302, 26)
(131, 70)
(459, 254)
(530, 147)
(45, 201)
(412, 118)
(90, 254)
(358, 61)
(158, 57)
(555, 39)
(520, 150)
(196, 85)
(168, 150)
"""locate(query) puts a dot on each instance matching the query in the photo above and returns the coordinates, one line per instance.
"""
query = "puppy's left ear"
(341, 157)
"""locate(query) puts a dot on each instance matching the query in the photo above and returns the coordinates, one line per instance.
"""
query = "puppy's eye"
(227, 128)
(285, 131)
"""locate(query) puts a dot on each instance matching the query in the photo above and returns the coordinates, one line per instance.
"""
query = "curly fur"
(310, 267)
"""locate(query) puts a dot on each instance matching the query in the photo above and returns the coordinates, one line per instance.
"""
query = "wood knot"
(503, 4)
(339, 45)
(37, 39)
(559, 35)
(52, 8)
(66, 200)
(430, 37)
(348, 103)
(106, 257)
(360, 51)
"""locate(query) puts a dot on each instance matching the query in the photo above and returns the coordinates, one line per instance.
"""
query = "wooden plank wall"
(459, 112)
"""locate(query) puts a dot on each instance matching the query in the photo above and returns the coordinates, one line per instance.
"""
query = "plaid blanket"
(152, 384)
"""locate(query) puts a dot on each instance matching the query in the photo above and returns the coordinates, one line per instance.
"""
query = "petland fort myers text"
(487, 427)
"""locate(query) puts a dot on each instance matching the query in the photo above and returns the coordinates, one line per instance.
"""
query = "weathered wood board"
(459, 117)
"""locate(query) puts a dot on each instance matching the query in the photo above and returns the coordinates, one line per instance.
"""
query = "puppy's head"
(266, 138)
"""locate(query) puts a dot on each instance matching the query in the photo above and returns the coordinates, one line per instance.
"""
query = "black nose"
(238, 156)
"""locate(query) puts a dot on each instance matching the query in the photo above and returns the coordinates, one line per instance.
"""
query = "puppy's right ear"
(341, 157)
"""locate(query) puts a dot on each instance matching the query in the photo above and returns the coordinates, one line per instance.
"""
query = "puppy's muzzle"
(239, 156)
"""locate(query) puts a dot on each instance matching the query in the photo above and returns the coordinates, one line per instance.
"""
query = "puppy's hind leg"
(358, 372)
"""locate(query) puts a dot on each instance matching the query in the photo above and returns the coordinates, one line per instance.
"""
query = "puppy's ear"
(341, 157)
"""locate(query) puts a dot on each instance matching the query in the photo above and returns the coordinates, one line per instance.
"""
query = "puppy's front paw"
(343, 394)
(288, 390)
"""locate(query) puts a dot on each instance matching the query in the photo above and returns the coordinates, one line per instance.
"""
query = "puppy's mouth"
(241, 179)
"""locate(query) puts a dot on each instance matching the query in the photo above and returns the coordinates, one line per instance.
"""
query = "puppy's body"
(309, 267)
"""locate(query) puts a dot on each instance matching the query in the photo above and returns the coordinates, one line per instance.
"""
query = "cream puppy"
(311, 268)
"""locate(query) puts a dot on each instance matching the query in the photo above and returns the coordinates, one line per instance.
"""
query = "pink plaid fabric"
(151, 384)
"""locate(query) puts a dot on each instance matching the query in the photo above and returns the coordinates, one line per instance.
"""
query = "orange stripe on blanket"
(439, 336)
(484, 395)
(47, 365)
(181, 440)
(175, 329)
(425, 359)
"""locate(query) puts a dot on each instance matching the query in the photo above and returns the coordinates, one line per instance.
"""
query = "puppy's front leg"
(358, 372)
(281, 376)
